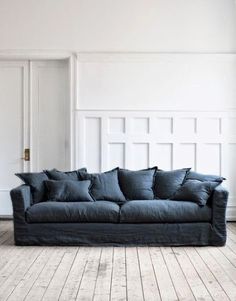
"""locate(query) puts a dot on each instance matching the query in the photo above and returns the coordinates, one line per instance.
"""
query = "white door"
(13, 127)
(34, 115)
(50, 110)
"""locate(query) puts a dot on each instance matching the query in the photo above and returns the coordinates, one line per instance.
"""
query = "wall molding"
(35, 54)
(130, 57)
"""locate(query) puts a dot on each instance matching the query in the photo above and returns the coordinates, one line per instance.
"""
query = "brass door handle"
(26, 154)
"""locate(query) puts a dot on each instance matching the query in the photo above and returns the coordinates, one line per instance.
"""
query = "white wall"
(156, 81)
(119, 25)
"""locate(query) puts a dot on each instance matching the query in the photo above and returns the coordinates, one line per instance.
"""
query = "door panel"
(34, 113)
(13, 100)
(50, 109)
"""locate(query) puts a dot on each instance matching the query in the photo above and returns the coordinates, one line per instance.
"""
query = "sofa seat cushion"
(163, 211)
(81, 212)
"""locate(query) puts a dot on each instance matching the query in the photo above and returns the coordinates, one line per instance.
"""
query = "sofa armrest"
(219, 204)
(21, 197)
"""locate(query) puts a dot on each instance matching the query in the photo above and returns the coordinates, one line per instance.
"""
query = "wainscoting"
(173, 110)
(139, 139)
(129, 273)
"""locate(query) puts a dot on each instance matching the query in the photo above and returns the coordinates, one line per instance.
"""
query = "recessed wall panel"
(209, 158)
(93, 144)
(162, 155)
(163, 126)
(140, 155)
(50, 129)
(209, 126)
(230, 126)
(140, 125)
(185, 155)
(186, 126)
(116, 125)
(116, 155)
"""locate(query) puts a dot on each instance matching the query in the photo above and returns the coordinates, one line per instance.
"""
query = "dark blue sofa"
(138, 222)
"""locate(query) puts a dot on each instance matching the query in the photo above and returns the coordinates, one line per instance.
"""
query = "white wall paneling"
(176, 139)
(168, 109)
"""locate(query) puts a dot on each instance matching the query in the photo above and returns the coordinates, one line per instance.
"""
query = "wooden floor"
(142, 273)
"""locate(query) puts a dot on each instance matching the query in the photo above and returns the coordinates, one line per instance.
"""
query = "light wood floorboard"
(116, 273)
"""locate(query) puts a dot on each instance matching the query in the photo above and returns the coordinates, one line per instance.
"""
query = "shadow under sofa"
(149, 222)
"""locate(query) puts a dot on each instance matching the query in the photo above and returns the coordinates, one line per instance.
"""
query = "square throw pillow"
(105, 186)
(168, 182)
(137, 185)
(68, 191)
(195, 191)
(192, 175)
(57, 175)
(36, 182)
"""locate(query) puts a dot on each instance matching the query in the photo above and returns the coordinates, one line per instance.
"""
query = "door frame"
(18, 55)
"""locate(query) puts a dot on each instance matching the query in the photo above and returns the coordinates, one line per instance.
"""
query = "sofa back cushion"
(168, 182)
(195, 191)
(137, 185)
(68, 191)
(36, 182)
(105, 186)
(57, 175)
(192, 175)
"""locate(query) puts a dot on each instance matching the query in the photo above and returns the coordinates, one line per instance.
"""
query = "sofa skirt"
(106, 234)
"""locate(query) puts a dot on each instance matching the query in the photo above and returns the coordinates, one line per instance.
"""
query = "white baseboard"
(5, 217)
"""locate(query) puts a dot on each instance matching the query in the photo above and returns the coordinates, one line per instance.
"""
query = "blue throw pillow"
(36, 182)
(192, 175)
(57, 175)
(168, 182)
(137, 185)
(195, 191)
(105, 186)
(68, 191)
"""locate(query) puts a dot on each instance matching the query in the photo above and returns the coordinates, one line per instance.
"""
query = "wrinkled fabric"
(163, 211)
(119, 234)
(219, 203)
(59, 212)
(195, 191)
(105, 186)
(57, 175)
(137, 185)
(93, 234)
(36, 182)
(68, 191)
(192, 175)
(168, 182)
